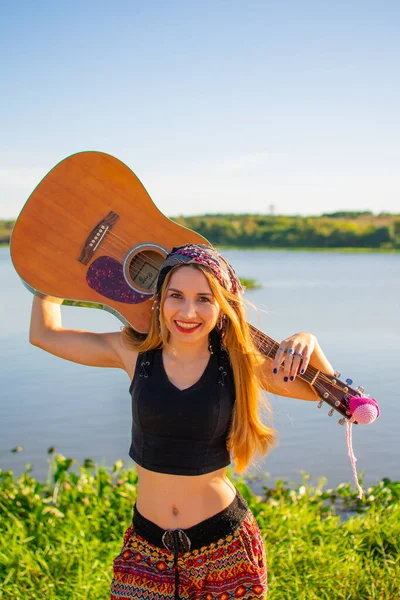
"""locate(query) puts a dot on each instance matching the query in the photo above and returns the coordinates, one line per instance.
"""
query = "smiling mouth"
(187, 327)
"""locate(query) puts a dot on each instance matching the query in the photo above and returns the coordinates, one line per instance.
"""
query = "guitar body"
(90, 233)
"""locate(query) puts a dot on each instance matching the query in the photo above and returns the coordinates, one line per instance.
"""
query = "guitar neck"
(269, 347)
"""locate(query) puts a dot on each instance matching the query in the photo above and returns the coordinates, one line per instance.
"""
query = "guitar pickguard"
(105, 275)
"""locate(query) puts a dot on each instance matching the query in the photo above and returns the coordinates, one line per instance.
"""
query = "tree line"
(335, 230)
(342, 229)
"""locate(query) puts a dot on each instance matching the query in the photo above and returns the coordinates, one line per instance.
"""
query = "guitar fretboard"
(269, 347)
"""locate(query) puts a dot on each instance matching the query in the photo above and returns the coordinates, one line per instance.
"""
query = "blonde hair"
(248, 435)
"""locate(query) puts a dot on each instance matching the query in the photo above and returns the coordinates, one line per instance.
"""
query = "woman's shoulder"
(131, 354)
(127, 351)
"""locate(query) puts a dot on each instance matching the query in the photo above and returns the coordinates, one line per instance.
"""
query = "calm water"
(349, 301)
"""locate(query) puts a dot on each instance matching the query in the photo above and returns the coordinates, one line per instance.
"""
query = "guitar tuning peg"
(349, 381)
(330, 413)
(360, 389)
(320, 403)
(337, 374)
(342, 421)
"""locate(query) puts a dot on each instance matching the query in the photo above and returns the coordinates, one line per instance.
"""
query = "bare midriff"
(180, 501)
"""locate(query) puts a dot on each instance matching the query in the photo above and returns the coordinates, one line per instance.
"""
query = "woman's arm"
(84, 347)
(288, 365)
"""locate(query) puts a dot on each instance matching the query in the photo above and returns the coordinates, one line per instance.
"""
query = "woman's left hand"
(294, 353)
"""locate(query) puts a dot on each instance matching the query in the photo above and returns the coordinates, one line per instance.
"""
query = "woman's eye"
(204, 299)
(175, 295)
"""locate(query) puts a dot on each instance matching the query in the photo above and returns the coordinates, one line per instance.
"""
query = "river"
(349, 301)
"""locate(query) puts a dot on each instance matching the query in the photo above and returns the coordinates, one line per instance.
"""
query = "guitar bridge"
(97, 235)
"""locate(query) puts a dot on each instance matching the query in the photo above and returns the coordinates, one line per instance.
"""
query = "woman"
(196, 380)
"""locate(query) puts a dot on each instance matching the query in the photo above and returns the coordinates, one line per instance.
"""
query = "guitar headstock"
(336, 393)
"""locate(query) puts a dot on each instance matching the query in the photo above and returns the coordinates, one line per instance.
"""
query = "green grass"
(58, 539)
(250, 283)
(83, 304)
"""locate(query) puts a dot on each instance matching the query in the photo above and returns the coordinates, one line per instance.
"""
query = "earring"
(221, 325)
(210, 348)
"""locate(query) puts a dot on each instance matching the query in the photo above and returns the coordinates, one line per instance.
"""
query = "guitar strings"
(119, 242)
(113, 251)
(310, 372)
(274, 346)
(117, 251)
(119, 247)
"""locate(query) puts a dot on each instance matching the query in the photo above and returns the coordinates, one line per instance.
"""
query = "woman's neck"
(189, 351)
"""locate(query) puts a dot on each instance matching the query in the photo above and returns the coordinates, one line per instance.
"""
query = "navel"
(175, 511)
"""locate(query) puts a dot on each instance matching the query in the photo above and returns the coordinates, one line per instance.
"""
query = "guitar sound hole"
(143, 268)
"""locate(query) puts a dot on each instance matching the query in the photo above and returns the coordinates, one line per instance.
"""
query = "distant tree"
(348, 214)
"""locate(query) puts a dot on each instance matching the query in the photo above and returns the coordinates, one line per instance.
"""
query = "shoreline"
(345, 250)
(300, 249)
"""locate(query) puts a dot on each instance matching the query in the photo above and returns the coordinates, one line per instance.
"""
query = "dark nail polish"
(285, 379)
(275, 371)
(291, 378)
(302, 371)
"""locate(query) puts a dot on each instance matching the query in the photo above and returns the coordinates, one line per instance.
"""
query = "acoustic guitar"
(90, 233)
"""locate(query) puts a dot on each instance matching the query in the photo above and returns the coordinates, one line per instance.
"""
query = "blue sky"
(217, 106)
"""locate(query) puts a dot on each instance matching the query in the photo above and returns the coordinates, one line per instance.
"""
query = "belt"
(202, 534)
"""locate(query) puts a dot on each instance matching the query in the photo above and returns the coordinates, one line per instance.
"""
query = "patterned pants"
(233, 566)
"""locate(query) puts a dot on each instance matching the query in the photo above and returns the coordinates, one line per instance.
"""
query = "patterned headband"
(202, 255)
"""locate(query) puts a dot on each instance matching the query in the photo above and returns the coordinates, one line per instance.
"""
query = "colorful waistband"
(202, 534)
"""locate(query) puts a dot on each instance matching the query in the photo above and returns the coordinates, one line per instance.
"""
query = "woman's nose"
(189, 310)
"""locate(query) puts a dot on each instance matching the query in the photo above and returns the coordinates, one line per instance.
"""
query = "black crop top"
(181, 432)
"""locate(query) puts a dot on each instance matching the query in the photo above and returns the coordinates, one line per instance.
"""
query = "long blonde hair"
(248, 434)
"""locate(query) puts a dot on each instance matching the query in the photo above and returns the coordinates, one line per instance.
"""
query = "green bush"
(58, 539)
